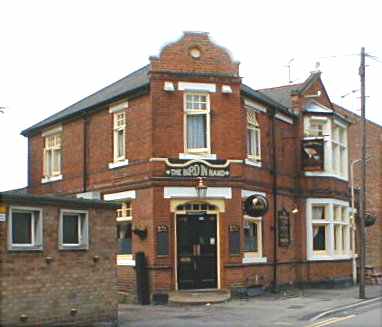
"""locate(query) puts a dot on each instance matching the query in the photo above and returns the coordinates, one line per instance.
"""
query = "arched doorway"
(197, 245)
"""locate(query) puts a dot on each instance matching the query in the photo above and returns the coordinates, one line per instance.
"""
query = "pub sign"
(313, 155)
(195, 168)
(283, 228)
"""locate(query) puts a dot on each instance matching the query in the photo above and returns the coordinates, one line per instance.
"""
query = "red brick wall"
(155, 128)
(46, 292)
(373, 180)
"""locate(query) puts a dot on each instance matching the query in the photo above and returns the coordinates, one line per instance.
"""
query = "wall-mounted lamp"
(295, 210)
(169, 86)
(201, 188)
(226, 89)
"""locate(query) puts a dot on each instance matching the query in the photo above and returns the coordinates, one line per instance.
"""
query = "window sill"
(81, 247)
(125, 260)
(204, 156)
(328, 257)
(251, 162)
(20, 248)
(51, 179)
(325, 174)
(253, 259)
(117, 164)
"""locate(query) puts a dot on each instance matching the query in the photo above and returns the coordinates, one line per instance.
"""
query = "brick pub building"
(146, 139)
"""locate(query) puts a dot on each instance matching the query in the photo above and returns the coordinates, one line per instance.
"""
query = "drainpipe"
(274, 195)
(85, 153)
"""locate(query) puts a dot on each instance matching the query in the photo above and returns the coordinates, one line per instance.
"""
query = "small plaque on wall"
(234, 239)
(283, 228)
(162, 240)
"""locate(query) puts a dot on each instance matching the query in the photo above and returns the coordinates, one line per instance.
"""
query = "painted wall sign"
(256, 205)
(162, 240)
(194, 168)
(313, 155)
(3, 212)
(234, 239)
(283, 228)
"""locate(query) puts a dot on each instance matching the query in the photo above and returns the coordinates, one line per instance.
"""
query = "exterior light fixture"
(201, 188)
(295, 210)
(226, 89)
(169, 86)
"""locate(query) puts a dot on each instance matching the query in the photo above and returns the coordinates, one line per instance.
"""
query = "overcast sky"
(53, 53)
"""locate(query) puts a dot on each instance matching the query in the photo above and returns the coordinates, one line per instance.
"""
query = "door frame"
(209, 212)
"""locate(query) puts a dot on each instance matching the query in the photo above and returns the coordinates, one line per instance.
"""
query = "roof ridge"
(69, 110)
(355, 114)
(279, 87)
(100, 90)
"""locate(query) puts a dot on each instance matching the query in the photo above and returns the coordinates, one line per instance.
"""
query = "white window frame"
(330, 222)
(207, 112)
(36, 232)
(117, 128)
(329, 124)
(255, 257)
(83, 230)
(253, 125)
(125, 214)
(52, 147)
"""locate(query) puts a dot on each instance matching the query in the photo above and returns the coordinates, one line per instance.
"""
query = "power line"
(374, 58)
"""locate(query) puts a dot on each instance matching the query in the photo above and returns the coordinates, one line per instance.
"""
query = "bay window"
(328, 229)
(334, 135)
(197, 122)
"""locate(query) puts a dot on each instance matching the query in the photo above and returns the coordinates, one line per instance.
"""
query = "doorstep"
(188, 297)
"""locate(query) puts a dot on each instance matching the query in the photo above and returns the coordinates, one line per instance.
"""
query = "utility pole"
(362, 200)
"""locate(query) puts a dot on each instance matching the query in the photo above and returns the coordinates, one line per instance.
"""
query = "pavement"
(294, 307)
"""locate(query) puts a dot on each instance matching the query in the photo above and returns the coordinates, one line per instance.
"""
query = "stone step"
(195, 297)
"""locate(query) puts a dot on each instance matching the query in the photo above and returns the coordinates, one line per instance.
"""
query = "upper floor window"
(119, 136)
(333, 134)
(253, 137)
(197, 122)
(52, 155)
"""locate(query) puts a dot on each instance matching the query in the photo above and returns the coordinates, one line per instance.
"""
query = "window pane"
(319, 238)
(48, 163)
(121, 143)
(56, 161)
(250, 139)
(250, 238)
(338, 238)
(124, 235)
(196, 131)
(318, 212)
(22, 227)
(70, 229)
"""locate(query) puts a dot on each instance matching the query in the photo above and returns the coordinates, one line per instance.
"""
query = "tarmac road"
(292, 309)
(366, 316)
